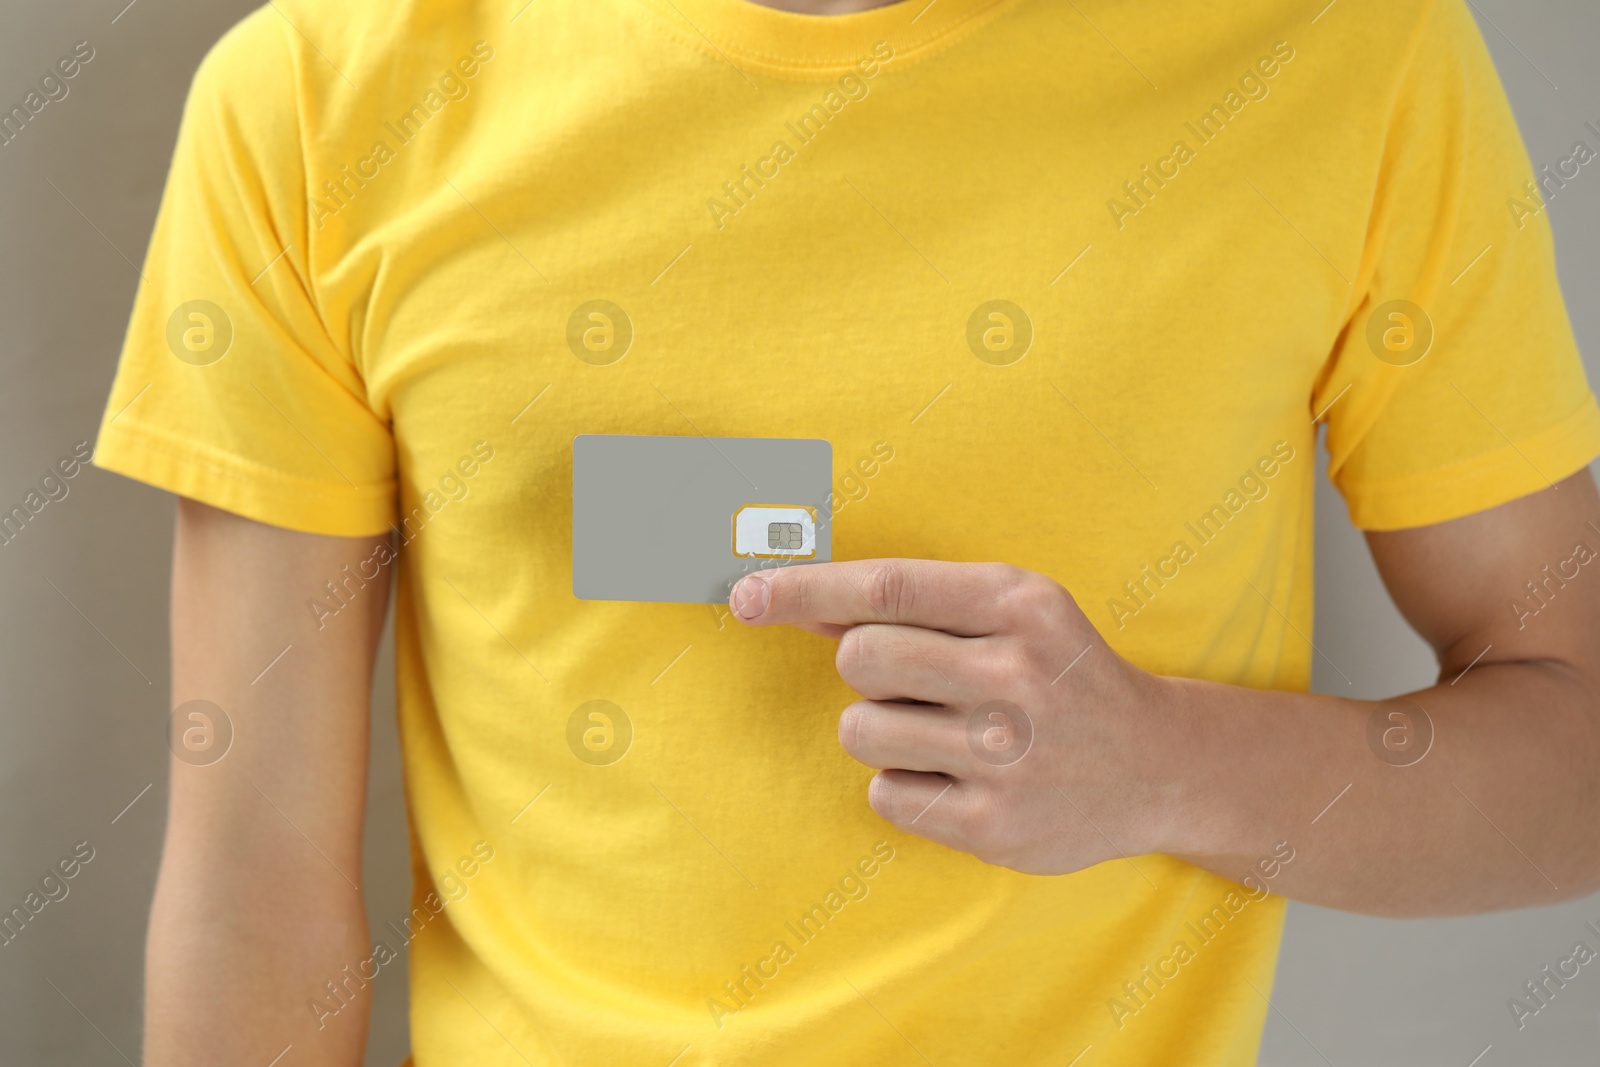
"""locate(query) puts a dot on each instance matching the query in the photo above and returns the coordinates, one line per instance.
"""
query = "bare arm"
(1504, 809)
(1033, 745)
(258, 902)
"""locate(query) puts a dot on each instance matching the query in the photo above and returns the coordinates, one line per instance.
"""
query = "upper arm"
(262, 861)
(1460, 583)
(292, 683)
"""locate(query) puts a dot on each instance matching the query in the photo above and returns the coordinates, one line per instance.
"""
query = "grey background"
(83, 665)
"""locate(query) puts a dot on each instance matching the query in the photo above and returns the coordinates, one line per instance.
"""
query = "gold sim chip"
(775, 531)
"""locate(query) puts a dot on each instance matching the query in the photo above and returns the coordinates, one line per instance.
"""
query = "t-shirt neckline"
(754, 37)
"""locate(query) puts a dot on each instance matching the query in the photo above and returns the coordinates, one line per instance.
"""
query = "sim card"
(681, 519)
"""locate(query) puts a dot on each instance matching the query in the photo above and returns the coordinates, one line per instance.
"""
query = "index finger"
(957, 598)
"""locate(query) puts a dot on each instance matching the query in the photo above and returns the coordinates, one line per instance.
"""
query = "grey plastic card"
(681, 519)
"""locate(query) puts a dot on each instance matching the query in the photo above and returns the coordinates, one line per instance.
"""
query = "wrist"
(1191, 809)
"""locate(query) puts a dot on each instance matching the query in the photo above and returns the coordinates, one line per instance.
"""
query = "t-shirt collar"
(759, 38)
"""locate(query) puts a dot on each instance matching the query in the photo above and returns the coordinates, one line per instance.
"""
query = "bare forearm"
(238, 960)
(1498, 811)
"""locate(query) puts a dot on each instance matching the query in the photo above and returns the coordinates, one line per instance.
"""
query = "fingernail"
(751, 597)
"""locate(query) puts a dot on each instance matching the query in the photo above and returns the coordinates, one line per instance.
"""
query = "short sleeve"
(230, 388)
(1494, 404)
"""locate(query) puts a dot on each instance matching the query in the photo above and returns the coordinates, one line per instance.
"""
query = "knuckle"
(889, 589)
(1034, 597)
(852, 726)
(1037, 596)
(791, 587)
(1064, 612)
(1009, 576)
(851, 659)
(981, 823)
(880, 797)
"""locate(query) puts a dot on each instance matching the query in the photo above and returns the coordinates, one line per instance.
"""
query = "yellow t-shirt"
(1065, 286)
